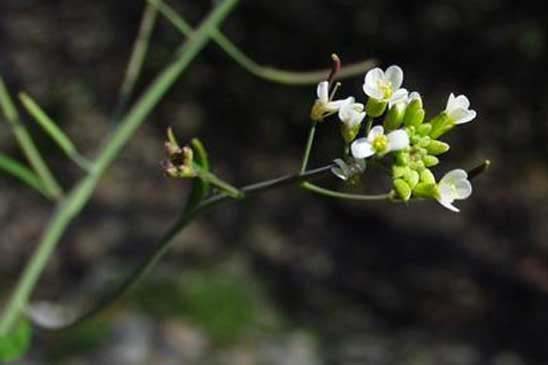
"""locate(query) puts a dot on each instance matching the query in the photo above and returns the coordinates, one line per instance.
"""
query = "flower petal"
(461, 116)
(399, 96)
(450, 103)
(373, 92)
(453, 176)
(323, 91)
(414, 95)
(394, 74)
(463, 189)
(449, 205)
(397, 140)
(371, 83)
(376, 131)
(462, 101)
(361, 148)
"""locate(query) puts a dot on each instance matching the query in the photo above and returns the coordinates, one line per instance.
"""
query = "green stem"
(308, 148)
(26, 143)
(335, 194)
(137, 58)
(21, 172)
(220, 184)
(83, 191)
(164, 243)
(368, 125)
(267, 73)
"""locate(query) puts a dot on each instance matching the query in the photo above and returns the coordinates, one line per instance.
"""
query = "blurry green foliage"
(15, 345)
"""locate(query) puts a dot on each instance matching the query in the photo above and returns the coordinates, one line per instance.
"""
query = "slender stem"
(26, 143)
(16, 169)
(335, 194)
(56, 133)
(220, 184)
(163, 244)
(368, 125)
(137, 58)
(308, 148)
(267, 73)
(80, 195)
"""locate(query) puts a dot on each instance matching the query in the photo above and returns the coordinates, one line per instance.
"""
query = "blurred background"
(288, 277)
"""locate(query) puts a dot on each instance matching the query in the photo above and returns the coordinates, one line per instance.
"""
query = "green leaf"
(51, 128)
(16, 343)
(19, 171)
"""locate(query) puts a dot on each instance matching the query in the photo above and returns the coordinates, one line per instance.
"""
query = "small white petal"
(465, 117)
(375, 132)
(450, 103)
(373, 76)
(339, 104)
(397, 140)
(394, 74)
(361, 148)
(373, 92)
(449, 205)
(461, 101)
(323, 91)
(463, 189)
(453, 176)
(399, 96)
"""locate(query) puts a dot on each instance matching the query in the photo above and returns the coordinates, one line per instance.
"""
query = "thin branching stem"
(80, 195)
(267, 73)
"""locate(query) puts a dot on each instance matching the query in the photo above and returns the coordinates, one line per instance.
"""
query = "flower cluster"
(402, 136)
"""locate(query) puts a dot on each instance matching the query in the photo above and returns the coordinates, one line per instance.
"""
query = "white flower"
(379, 143)
(457, 109)
(324, 106)
(385, 85)
(454, 186)
(351, 113)
(347, 170)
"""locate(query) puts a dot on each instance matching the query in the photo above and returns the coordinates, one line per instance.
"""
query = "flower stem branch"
(308, 148)
(163, 244)
(267, 73)
(80, 195)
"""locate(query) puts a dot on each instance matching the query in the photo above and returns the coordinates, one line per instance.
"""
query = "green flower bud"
(437, 147)
(441, 124)
(394, 117)
(430, 161)
(424, 141)
(399, 171)
(349, 133)
(427, 177)
(416, 165)
(412, 178)
(375, 108)
(424, 129)
(426, 190)
(402, 158)
(414, 115)
(415, 139)
(402, 189)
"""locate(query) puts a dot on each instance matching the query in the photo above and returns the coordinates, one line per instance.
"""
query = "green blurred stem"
(82, 192)
(164, 243)
(51, 128)
(50, 185)
(137, 58)
(17, 170)
(308, 147)
(368, 125)
(338, 195)
(267, 73)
